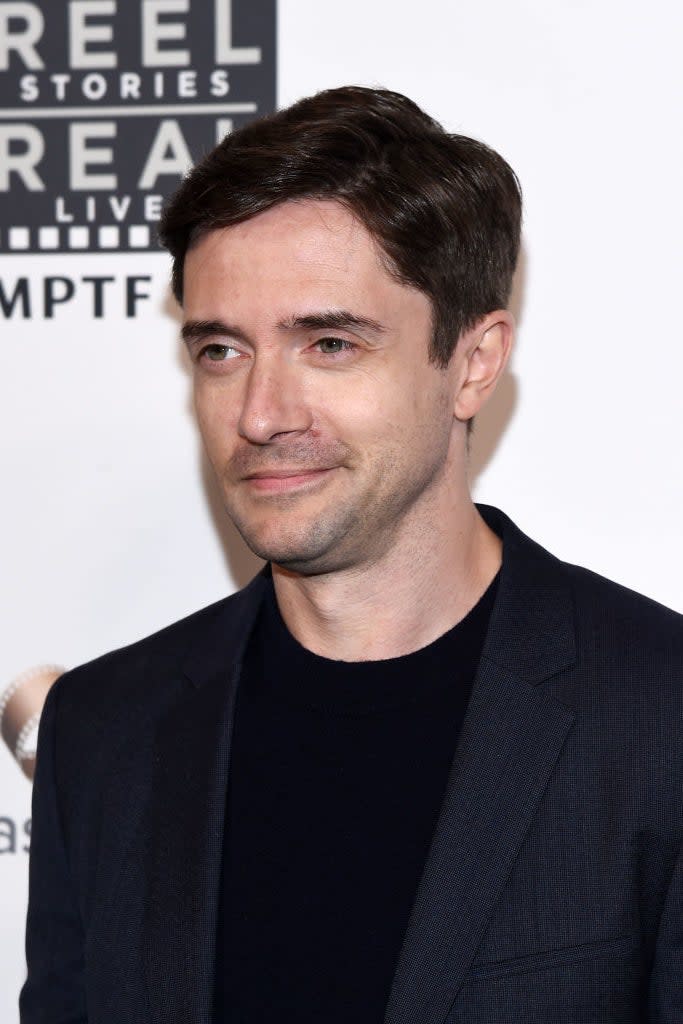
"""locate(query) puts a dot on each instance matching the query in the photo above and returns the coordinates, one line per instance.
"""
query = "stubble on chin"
(306, 544)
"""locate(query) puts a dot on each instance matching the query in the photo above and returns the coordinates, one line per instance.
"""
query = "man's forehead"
(309, 232)
(296, 258)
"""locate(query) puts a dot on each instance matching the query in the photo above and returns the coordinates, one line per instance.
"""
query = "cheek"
(372, 399)
(416, 410)
(359, 418)
(217, 413)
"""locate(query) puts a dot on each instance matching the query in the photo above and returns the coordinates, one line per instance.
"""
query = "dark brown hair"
(445, 209)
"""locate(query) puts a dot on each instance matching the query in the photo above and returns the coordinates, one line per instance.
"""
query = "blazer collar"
(531, 632)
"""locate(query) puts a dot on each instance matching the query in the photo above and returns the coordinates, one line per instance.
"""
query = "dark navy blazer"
(553, 890)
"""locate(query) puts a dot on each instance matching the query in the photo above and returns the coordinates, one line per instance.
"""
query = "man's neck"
(400, 602)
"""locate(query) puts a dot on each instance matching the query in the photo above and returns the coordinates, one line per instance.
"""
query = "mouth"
(280, 480)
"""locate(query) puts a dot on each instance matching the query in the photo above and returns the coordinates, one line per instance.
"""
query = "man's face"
(328, 428)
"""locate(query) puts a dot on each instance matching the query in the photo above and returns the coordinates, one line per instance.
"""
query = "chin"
(277, 545)
(305, 550)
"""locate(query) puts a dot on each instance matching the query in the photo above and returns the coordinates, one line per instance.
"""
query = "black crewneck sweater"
(338, 771)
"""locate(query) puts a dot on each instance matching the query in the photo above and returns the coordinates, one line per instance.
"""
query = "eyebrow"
(324, 320)
(195, 330)
(331, 320)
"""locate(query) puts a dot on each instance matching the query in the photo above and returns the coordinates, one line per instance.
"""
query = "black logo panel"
(104, 104)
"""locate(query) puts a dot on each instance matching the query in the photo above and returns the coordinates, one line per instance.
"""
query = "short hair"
(445, 209)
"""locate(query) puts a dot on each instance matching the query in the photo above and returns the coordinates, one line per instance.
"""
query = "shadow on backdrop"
(242, 565)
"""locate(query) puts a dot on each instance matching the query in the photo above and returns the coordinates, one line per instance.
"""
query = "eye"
(332, 346)
(217, 353)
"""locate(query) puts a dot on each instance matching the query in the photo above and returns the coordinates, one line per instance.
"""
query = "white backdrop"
(110, 528)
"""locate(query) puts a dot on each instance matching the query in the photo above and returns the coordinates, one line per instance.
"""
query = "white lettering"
(153, 205)
(154, 32)
(82, 156)
(22, 163)
(220, 85)
(28, 88)
(226, 53)
(130, 85)
(94, 86)
(62, 215)
(187, 84)
(23, 40)
(60, 83)
(168, 155)
(81, 33)
(119, 207)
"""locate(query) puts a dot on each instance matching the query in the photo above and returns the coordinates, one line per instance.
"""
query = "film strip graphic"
(76, 237)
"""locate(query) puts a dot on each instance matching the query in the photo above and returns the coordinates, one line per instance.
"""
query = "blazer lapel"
(186, 817)
(511, 739)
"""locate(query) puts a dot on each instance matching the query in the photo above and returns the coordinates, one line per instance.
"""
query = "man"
(419, 771)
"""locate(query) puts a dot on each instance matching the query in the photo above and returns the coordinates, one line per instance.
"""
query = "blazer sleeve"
(666, 980)
(54, 989)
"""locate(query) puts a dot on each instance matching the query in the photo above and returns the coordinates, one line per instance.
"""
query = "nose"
(273, 403)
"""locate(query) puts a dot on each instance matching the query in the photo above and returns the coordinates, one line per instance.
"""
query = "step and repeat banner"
(111, 525)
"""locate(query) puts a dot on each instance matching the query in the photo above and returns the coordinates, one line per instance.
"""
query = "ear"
(485, 350)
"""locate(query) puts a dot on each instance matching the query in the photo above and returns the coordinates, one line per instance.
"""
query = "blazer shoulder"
(537, 578)
(629, 651)
(551, 614)
(149, 672)
(624, 613)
